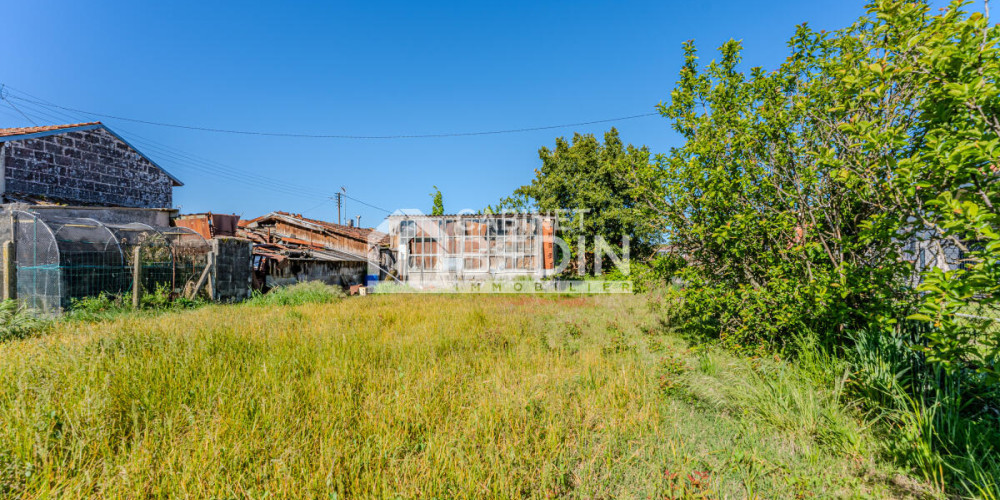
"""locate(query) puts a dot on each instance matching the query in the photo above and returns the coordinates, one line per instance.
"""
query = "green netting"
(62, 259)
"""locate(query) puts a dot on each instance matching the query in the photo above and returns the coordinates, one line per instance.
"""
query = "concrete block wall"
(231, 269)
(85, 167)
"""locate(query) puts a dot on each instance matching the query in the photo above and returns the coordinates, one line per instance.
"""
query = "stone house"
(81, 210)
(81, 164)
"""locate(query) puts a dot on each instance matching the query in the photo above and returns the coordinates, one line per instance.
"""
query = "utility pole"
(338, 208)
(343, 196)
(341, 203)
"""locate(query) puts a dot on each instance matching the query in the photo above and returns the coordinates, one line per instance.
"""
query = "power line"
(341, 136)
(18, 110)
(179, 159)
(369, 205)
(188, 161)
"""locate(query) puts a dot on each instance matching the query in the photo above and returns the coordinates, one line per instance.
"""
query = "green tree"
(796, 189)
(438, 202)
(587, 183)
(801, 194)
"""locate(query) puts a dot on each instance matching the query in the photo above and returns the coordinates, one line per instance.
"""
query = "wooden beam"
(136, 276)
(9, 271)
(204, 277)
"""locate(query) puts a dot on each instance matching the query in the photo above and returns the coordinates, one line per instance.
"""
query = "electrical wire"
(339, 136)
(19, 111)
(177, 160)
(193, 163)
(190, 162)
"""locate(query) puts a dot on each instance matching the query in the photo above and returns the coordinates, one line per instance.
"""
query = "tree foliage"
(588, 184)
(803, 198)
(437, 207)
(798, 190)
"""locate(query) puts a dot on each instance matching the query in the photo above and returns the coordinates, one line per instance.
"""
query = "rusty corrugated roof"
(357, 233)
(272, 245)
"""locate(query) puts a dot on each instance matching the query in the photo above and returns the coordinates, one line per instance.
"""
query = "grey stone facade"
(84, 167)
(231, 269)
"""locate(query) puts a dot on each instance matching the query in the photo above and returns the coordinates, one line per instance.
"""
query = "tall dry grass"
(411, 396)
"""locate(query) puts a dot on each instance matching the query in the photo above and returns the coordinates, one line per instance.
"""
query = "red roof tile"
(7, 132)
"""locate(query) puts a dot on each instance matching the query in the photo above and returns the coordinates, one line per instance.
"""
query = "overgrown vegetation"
(421, 396)
(437, 202)
(18, 323)
(793, 211)
(105, 306)
(309, 292)
(800, 193)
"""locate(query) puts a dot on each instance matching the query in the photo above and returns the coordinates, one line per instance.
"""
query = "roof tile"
(7, 132)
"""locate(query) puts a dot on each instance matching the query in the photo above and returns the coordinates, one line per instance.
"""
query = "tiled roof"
(7, 132)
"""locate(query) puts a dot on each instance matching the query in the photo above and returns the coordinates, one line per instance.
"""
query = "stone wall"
(84, 167)
(156, 217)
(231, 269)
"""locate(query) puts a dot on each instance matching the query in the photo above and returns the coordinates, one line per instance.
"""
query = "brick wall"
(85, 167)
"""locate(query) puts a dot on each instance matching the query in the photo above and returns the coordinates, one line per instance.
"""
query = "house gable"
(85, 164)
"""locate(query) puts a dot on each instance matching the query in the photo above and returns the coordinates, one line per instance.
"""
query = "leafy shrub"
(670, 373)
(16, 322)
(654, 274)
(96, 307)
(799, 190)
(309, 292)
(802, 194)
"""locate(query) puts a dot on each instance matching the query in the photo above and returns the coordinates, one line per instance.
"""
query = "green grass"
(419, 396)
(308, 292)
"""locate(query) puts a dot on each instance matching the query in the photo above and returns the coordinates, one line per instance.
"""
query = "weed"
(943, 423)
(670, 374)
(310, 292)
(16, 322)
(574, 330)
(105, 306)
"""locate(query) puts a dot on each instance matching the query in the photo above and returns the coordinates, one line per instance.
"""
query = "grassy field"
(419, 396)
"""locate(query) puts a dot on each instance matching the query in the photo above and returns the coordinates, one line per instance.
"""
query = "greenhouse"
(58, 259)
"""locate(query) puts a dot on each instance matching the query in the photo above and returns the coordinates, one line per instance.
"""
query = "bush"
(309, 292)
(656, 273)
(16, 322)
(804, 197)
(96, 308)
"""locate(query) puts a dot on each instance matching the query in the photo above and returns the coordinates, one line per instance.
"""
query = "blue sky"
(369, 68)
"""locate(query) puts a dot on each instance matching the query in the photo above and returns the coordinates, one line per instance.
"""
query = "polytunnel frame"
(68, 258)
(153, 243)
(59, 259)
(87, 270)
(192, 255)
